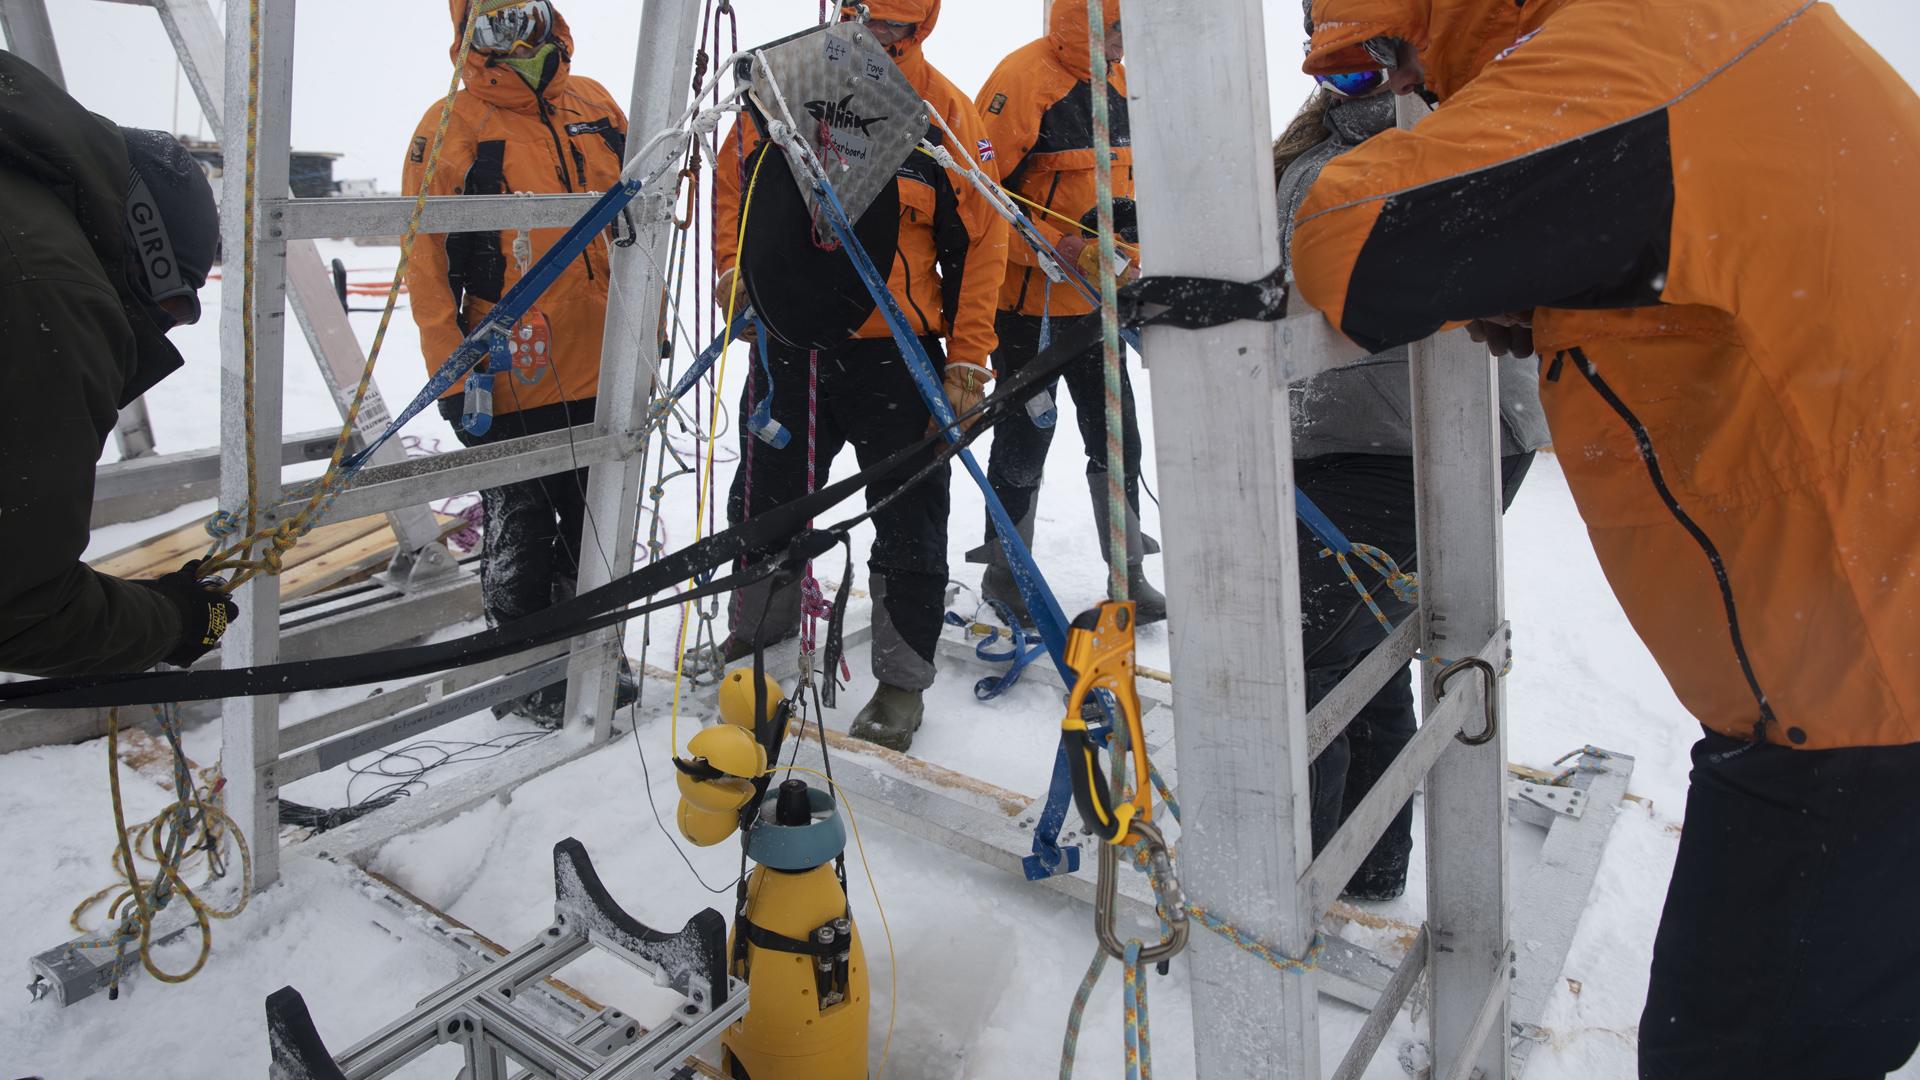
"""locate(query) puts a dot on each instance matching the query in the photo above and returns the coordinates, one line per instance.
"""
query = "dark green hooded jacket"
(74, 347)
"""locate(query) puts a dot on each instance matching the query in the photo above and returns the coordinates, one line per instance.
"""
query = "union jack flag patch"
(983, 150)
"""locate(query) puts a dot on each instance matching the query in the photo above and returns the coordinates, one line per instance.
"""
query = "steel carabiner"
(1492, 700)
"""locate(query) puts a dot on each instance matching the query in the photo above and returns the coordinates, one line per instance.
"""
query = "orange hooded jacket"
(1707, 206)
(953, 246)
(504, 138)
(1038, 110)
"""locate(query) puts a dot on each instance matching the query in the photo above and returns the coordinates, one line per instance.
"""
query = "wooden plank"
(349, 561)
(164, 553)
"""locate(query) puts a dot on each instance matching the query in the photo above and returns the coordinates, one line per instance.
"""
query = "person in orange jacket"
(951, 253)
(1038, 110)
(522, 123)
(1701, 213)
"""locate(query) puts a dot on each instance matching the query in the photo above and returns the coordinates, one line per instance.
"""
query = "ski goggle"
(506, 28)
(1353, 84)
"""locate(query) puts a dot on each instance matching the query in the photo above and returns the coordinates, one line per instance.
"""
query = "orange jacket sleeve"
(429, 292)
(1010, 107)
(1464, 217)
(973, 256)
(728, 185)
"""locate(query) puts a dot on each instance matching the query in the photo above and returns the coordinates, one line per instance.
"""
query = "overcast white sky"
(365, 70)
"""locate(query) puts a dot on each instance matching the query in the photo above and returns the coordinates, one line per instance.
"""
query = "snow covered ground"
(983, 965)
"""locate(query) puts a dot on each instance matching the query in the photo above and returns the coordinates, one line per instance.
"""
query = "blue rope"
(1048, 856)
(500, 320)
(761, 423)
(1017, 655)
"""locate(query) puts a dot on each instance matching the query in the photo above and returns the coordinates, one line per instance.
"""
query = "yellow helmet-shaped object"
(705, 828)
(732, 750)
(710, 805)
(736, 697)
(723, 795)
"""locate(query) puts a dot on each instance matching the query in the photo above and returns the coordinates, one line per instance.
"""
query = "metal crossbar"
(385, 215)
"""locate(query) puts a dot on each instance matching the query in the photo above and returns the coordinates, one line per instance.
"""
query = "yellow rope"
(241, 556)
(704, 489)
(1132, 249)
(134, 902)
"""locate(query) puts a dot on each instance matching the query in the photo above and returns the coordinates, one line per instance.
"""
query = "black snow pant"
(864, 396)
(529, 559)
(1370, 498)
(1790, 945)
(1019, 452)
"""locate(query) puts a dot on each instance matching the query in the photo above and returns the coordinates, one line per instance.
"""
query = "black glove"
(1503, 339)
(205, 611)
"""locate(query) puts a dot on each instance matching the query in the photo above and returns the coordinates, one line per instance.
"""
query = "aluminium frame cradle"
(483, 1011)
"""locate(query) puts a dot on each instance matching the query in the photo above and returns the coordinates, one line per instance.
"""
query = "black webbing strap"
(764, 938)
(1196, 303)
(763, 536)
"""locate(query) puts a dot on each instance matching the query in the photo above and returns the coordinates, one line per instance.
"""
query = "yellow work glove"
(730, 296)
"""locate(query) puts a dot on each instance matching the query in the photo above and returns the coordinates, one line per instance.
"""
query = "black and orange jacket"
(506, 139)
(953, 245)
(1706, 204)
(1038, 110)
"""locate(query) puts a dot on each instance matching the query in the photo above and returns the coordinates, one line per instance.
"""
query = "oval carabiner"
(685, 189)
(1492, 702)
(1172, 903)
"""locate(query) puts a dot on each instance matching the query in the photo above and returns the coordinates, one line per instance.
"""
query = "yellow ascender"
(1100, 651)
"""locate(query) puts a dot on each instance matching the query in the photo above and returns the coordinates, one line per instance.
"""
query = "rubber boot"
(997, 583)
(1150, 605)
(890, 718)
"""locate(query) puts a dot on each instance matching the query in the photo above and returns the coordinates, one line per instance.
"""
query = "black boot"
(997, 583)
(1149, 603)
(1150, 606)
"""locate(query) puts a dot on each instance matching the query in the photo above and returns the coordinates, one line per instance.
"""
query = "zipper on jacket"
(1553, 369)
(906, 268)
(560, 161)
(1652, 461)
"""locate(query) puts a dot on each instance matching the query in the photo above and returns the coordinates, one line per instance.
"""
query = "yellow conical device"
(805, 968)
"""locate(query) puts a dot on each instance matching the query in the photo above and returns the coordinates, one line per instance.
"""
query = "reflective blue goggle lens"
(1353, 84)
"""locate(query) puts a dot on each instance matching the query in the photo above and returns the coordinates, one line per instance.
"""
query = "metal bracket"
(410, 570)
(479, 1013)
(1565, 801)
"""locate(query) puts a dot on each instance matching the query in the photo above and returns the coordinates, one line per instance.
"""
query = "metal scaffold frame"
(251, 736)
(1245, 739)
(1224, 450)
(258, 755)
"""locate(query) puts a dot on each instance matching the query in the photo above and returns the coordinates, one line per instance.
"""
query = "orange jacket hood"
(1455, 38)
(499, 85)
(906, 53)
(1067, 33)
